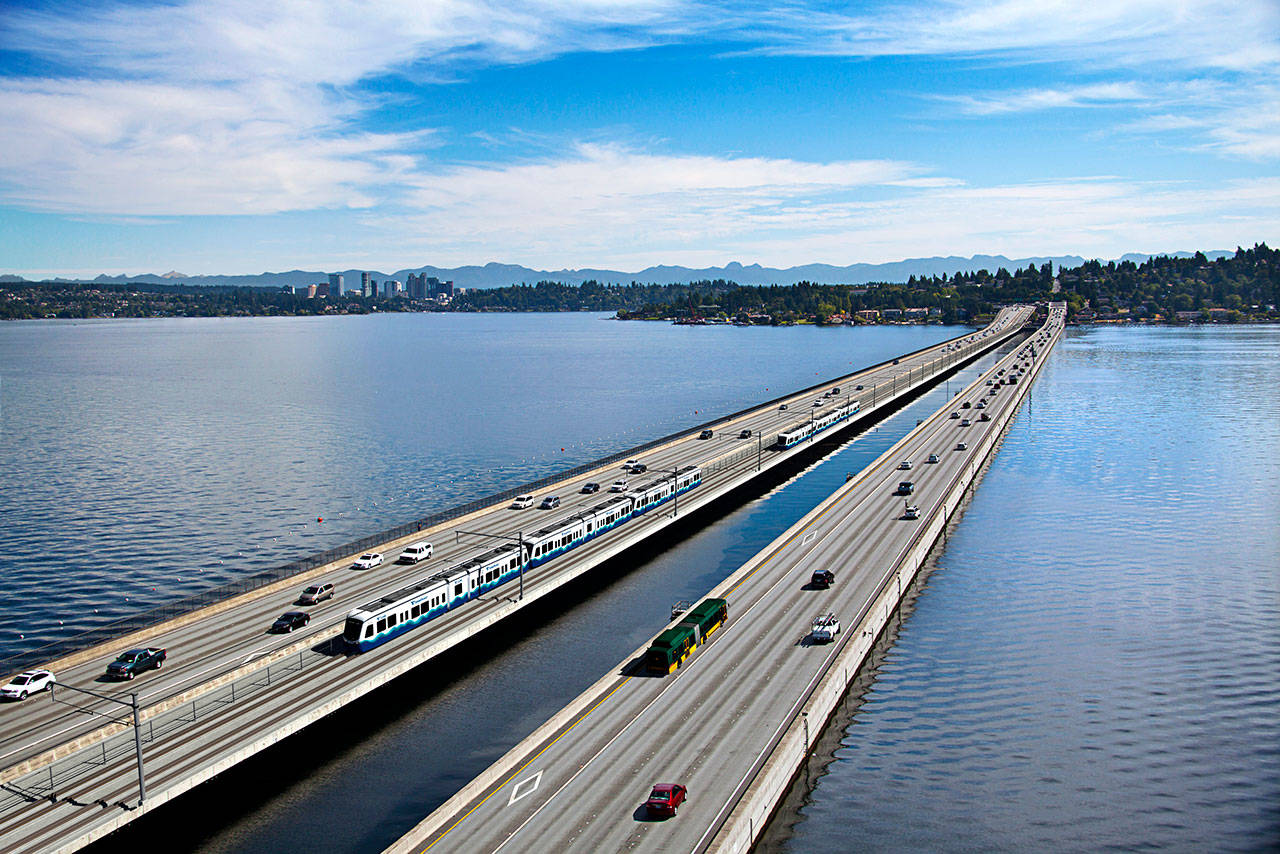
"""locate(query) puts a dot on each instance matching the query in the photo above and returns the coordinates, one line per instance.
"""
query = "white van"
(416, 552)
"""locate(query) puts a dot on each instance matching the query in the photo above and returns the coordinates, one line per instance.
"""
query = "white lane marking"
(808, 538)
(518, 791)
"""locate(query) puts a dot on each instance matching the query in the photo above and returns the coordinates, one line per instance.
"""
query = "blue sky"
(235, 136)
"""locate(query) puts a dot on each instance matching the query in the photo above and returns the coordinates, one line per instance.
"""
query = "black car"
(822, 579)
(706, 434)
(906, 487)
(589, 488)
(639, 468)
(290, 620)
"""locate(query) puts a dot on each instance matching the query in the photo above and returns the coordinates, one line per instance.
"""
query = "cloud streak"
(592, 210)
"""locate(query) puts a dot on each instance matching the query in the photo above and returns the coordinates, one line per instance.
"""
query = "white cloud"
(1022, 100)
(238, 106)
(153, 148)
(618, 208)
(1222, 33)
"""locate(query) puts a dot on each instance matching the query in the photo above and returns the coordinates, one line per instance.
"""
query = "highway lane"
(706, 725)
(252, 618)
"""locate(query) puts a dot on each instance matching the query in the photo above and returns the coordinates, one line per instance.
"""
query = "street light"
(132, 703)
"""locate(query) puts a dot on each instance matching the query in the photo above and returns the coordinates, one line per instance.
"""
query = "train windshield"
(352, 631)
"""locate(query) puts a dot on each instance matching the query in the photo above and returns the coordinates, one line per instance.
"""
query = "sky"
(237, 136)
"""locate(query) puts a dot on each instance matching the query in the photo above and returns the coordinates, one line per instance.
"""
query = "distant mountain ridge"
(493, 274)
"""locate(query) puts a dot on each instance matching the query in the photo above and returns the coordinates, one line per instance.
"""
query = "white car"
(31, 682)
(619, 485)
(905, 465)
(522, 502)
(824, 628)
(368, 560)
(911, 511)
(933, 458)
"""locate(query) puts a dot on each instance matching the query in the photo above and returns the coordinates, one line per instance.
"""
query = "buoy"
(319, 518)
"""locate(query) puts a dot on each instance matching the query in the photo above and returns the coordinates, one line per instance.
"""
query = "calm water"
(1095, 663)
(143, 460)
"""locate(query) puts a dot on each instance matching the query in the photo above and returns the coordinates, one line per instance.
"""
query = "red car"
(666, 798)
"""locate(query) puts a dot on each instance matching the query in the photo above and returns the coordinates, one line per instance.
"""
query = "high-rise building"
(365, 287)
(416, 285)
(311, 291)
(335, 284)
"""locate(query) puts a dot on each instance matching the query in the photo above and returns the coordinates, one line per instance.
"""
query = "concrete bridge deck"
(229, 690)
(735, 722)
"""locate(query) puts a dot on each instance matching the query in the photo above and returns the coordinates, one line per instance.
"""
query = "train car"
(377, 622)
(493, 568)
(670, 649)
(553, 541)
(797, 433)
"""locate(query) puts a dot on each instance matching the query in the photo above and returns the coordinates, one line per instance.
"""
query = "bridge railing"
(203, 599)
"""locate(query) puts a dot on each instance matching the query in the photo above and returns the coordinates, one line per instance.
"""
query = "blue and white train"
(797, 433)
(379, 621)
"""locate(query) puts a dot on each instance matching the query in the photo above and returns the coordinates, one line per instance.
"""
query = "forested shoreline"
(1244, 287)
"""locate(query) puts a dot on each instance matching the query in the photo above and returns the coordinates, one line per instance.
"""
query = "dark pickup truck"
(129, 664)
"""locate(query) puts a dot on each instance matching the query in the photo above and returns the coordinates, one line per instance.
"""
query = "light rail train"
(797, 433)
(377, 622)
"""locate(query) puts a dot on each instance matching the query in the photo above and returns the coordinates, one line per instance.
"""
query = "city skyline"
(215, 137)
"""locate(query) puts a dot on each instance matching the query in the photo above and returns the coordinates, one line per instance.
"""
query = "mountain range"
(493, 274)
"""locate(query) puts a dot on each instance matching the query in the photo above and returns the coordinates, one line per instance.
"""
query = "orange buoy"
(319, 518)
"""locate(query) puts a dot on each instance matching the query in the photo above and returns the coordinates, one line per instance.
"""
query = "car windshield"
(659, 795)
(21, 680)
(127, 657)
(312, 591)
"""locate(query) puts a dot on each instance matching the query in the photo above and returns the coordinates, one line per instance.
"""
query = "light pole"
(518, 538)
(675, 490)
(132, 703)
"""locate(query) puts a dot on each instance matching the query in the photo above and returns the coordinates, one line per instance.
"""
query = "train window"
(457, 590)
(368, 630)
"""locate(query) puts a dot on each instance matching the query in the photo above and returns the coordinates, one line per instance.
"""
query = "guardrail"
(186, 605)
